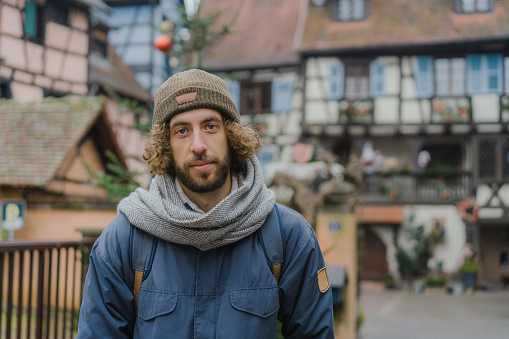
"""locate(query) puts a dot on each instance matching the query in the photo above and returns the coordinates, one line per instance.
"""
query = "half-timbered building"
(419, 91)
(44, 47)
(261, 65)
(134, 25)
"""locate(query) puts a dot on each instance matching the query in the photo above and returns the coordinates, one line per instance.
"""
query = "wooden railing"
(418, 187)
(40, 288)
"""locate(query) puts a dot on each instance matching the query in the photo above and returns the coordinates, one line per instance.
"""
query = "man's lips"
(201, 166)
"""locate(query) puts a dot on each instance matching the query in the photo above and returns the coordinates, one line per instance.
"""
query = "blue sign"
(13, 214)
(334, 226)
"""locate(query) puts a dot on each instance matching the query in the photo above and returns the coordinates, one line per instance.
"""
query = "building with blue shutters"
(418, 90)
(134, 25)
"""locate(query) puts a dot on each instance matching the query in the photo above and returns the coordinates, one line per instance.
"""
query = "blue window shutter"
(281, 96)
(475, 83)
(376, 79)
(234, 87)
(336, 80)
(494, 65)
(30, 26)
(424, 79)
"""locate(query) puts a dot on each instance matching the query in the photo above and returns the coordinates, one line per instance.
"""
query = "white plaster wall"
(316, 112)
(10, 22)
(42, 81)
(485, 108)
(79, 20)
(449, 251)
(12, 50)
(35, 58)
(26, 93)
(80, 89)
(484, 193)
(415, 111)
(386, 110)
(315, 88)
(75, 68)
(54, 63)
(5, 72)
(408, 90)
(79, 43)
(19, 3)
(57, 36)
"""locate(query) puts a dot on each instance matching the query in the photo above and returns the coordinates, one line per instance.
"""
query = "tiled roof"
(262, 35)
(115, 74)
(402, 23)
(35, 137)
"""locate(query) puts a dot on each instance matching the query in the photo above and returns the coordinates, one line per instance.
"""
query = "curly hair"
(243, 143)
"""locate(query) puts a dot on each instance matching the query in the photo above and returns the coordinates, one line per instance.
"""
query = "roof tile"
(35, 137)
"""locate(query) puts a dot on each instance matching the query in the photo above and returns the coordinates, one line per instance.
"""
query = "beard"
(207, 181)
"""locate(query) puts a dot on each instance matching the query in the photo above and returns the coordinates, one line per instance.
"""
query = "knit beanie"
(193, 89)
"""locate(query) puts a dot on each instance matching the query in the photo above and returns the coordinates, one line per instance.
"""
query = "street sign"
(13, 214)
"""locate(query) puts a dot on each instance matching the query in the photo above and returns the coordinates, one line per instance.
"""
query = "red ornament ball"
(163, 43)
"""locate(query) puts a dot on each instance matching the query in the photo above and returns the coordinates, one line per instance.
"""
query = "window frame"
(337, 6)
(258, 105)
(41, 17)
(450, 76)
(55, 9)
(5, 89)
(358, 93)
(459, 7)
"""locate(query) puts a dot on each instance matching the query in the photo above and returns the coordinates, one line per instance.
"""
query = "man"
(210, 276)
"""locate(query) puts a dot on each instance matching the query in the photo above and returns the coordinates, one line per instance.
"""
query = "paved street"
(433, 314)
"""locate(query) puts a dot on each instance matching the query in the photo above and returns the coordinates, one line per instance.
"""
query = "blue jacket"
(227, 292)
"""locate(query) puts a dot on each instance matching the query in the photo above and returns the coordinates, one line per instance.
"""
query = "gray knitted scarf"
(161, 212)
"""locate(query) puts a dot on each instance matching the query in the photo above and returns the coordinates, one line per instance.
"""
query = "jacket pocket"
(153, 304)
(259, 302)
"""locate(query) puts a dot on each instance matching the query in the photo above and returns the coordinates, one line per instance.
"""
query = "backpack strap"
(143, 248)
(272, 237)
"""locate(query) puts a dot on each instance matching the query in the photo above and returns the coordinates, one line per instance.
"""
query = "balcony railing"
(417, 187)
(40, 288)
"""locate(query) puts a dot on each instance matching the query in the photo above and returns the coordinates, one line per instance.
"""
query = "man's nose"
(198, 144)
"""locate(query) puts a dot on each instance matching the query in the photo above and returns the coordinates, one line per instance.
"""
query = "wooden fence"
(41, 287)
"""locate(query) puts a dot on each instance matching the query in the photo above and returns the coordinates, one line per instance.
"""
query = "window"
(484, 73)
(493, 159)
(473, 6)
(350, 10)
(255, 97)
(98, 47)
(5, 90)
(450, 77)
(58, 12)
(357, 80)
(33, 26)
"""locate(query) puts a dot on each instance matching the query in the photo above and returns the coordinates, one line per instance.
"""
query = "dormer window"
(473, 6)
(350, 10)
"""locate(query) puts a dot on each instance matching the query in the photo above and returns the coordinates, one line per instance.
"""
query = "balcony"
(417, 187)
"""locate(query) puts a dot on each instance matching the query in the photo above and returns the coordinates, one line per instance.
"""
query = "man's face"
(200, 149)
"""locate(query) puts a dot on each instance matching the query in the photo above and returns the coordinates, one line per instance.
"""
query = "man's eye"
(211, 127)
(181, 131)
